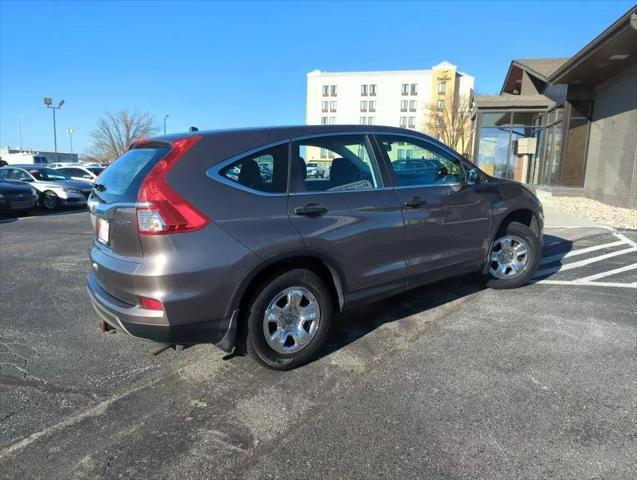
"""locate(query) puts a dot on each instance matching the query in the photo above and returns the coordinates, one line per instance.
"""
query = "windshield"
(47, 174)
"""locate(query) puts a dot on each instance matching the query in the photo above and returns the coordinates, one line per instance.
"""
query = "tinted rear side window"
(121, 180)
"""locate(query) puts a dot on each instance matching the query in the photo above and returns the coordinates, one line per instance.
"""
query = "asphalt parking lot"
(447, 381)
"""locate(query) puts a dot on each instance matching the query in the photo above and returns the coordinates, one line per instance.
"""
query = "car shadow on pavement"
(555, 249)
(352, 325)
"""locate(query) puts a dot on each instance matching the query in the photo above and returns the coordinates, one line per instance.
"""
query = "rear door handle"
(415, 202)
(311, 209)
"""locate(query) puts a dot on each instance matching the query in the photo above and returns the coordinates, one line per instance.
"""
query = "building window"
(438, 121)
(403, 122)
(332, 120)
(364, 90)
(412, 105)
(372, 90)
(412, 122)
(403, 105)
(323, 120)
(323, 152)
(363, 105)
(332, 106)
(333, 90)
(414, 89)
(372, 105)
(363, 121)
(324, 106)
(401, 154)
(370, 120)
(405, 89)
(440, 104)
(442, 86)
(326, 90)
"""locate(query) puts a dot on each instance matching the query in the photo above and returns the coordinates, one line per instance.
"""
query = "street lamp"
(165, 123)
(49, 104)
(70, 132)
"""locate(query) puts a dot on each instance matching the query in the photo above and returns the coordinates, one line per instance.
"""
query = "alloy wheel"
(291, 320)
(509, 257)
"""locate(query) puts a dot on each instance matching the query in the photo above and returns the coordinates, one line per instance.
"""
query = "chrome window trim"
(214, 171)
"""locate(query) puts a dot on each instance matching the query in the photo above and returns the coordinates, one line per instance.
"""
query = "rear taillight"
(160, 209)
(151, 303)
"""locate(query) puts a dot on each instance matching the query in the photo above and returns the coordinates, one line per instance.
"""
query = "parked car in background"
(17, 196)
(194, 244)
(314, 170)
(24, 158)
(79, 171)
(54, 188)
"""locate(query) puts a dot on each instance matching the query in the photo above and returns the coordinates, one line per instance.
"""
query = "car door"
(446, 218)
(349, 217)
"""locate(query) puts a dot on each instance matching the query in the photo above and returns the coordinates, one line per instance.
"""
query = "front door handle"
(415, 202)
(311, 209)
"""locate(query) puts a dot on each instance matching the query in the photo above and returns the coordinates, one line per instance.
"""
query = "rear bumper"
(154, 325)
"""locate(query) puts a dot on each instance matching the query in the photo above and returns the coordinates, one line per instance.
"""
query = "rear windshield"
(121, 180)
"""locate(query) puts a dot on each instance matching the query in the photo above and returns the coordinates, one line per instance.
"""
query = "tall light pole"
(70, 132)
(20, 118)
(49, 104)
(165, 117)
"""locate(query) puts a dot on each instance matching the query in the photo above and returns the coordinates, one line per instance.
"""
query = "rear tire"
(288, 320)
(49, 200)
(520, 238)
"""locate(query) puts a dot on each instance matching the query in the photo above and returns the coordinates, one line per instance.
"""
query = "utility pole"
(49, 104)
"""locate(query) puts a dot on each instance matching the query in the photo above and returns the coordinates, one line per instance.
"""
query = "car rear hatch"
(117, 249)
(131, 200)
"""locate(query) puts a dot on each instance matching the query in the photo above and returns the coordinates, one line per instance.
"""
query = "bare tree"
(117, 130)
(450, 122)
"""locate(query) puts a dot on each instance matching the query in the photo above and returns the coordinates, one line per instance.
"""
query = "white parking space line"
(581, 251)
(588, 284)
(597, 276)
(581, 263)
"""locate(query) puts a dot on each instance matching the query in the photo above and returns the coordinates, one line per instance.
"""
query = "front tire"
(514, 257)
(50, 201)
(288, 320)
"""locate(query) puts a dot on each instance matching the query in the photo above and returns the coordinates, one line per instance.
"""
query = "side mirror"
(473, 176)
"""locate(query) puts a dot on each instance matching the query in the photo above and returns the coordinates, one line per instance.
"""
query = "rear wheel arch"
(322, 267)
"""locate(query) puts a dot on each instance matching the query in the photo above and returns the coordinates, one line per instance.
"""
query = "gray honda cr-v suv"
(221, 237)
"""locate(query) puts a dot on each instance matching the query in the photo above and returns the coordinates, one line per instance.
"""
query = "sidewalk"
(553, 217)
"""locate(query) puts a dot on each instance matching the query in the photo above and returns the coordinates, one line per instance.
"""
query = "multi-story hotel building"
(399, 98)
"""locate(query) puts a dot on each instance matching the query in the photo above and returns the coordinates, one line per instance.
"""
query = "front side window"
(418, 163)
(265, 171)
(352, 166)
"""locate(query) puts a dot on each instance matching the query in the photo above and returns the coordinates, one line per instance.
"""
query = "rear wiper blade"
(99, 187)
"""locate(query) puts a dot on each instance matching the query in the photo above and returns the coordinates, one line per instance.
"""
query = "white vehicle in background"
(79, 171)
(24, 158)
